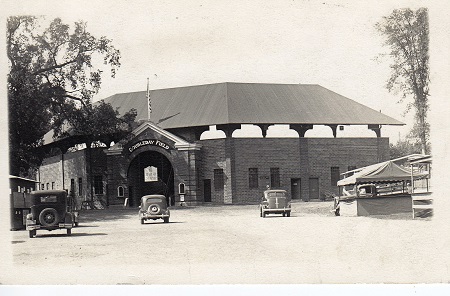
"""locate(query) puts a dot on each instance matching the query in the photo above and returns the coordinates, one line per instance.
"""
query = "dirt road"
(231, 244)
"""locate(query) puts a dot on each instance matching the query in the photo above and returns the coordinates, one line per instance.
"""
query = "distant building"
(165, 155)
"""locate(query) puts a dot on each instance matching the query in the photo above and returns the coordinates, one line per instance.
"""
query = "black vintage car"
(275, 202)
(153, 207)
(49, 211)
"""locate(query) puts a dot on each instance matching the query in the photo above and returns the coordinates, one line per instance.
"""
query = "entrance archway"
(136, 181)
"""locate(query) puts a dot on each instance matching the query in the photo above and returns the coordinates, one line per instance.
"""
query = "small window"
(218, 179)
(53, 185)
(42, 186)
(80, 186)
(253, 178)
(120, 191)
(274, 177)
(98, 184)
(72, 186)
(181, 188)
(48, 186)
(334, 176)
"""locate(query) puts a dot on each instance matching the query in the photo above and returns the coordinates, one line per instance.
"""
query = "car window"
(151, 200)
(276, 194)
(49, 198)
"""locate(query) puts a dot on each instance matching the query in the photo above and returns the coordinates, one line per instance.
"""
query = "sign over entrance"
(151, 142)
(150, 174)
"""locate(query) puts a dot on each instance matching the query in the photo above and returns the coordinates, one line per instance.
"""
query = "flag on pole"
(149, 101)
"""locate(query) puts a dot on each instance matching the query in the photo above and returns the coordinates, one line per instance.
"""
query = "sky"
(181, 43)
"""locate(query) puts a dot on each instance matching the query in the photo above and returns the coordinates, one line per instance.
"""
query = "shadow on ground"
(74, 234)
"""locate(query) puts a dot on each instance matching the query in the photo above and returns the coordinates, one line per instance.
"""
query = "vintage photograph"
(225, 142)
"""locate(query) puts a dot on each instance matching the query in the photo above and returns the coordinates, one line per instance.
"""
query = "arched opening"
(139, 185)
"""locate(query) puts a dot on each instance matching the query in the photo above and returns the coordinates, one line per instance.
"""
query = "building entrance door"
(207, 190)
(150, 172)
(313, 188)
(296, 188)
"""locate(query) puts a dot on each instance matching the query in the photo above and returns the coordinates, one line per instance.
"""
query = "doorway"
(163, 182)
(207, 190)
(296, 188)
(313, 188)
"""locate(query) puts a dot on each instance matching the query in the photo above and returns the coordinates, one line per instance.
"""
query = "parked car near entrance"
(49, 211)
(153, 207)
(275, 202)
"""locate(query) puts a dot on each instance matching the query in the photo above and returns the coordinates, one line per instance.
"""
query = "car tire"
(69, 231)
(154, 209)
(166, 220)
(49, 217)
(32, 233)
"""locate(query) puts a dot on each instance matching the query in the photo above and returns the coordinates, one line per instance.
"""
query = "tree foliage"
(404, 147)
(96, 120)
(407, 34)
(51, 82)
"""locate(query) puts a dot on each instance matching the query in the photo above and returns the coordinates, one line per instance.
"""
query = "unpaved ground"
(231, 244)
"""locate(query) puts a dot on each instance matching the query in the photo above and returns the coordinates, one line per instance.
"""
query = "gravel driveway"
(231, 245)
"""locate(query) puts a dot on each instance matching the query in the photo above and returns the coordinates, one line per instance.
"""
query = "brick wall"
(296, 158)
(213, 157)
(76, 166)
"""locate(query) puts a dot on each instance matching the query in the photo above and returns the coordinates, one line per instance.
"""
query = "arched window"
(181, 189)
(120, 191)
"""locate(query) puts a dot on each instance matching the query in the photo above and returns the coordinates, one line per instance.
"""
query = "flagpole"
(149, 106)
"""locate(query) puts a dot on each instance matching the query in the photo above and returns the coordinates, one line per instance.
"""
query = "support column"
(333, 128)
(304, 167)
(264, 128)
(376, 128)
(228, 129)
(198, 131)
(301, 128)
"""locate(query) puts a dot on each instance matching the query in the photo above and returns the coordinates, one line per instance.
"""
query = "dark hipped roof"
(248, 103)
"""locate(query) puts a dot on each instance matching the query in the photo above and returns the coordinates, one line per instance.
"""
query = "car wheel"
(166, 220)
(32, 233)
(49, 217)
(69, 231)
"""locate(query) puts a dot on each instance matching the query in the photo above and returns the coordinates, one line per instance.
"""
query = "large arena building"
(168, 155)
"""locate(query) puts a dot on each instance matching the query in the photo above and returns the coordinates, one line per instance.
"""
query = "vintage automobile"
(153, 207)
(275, 202)
(49, 211)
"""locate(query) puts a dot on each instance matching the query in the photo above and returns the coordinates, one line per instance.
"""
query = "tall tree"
(407, 34)
(52, 78)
